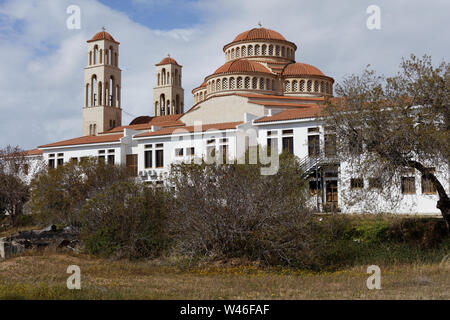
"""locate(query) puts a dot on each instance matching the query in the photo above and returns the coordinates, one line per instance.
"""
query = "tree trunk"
(443, 203)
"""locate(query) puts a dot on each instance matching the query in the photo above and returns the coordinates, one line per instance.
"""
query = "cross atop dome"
(103, 29)
(260, 24)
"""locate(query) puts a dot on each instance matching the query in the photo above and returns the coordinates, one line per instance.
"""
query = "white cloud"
(41, 61)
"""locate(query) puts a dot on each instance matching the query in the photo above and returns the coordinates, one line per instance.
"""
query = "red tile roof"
(292, 114)
(33, 152)
(242, 65)
(281, 104)
(301, 69)
(103, 35)
(167, 60)
(259, 33)
(85, 140)
(159, 121)
(205, 127)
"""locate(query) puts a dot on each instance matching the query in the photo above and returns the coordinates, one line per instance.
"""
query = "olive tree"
(386, 125)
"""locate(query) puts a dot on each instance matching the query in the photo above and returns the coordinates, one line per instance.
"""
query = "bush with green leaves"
(57, 195)
(127, 219)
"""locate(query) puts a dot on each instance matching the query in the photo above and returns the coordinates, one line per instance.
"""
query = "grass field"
(43, 276)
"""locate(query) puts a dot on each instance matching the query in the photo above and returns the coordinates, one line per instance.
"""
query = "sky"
(42, 61)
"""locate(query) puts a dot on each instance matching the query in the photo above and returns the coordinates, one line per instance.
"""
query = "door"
(332, 195)
(131, 163)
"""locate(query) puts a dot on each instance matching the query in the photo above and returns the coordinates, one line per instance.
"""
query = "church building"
(261, 96)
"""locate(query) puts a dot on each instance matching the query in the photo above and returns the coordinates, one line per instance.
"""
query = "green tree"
(386, 125)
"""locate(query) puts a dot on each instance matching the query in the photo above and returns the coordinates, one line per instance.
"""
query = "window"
(159, 158)
(210, 153)
(60, 162)
(316, 129)
(356, 183)
(210, 141)
(101, 159)
(313, 146)
(408, 185)
(74, 160)
(374, 183)
(60, 154)
(224, 152)
(101, 151)
(314, 186)
(288, 144)
(111, 159)
(330, 145)
(288, 131)
(427, 185)
(52, 155)
(190, 151)
(179, 152)
(148, 161)
(51, 163)
(111, 151)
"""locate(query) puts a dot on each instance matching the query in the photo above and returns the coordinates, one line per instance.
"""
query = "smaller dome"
(167, 60)
(258, 34)
(242, 66)
(102, 35)
(297, 69)
(140, 120)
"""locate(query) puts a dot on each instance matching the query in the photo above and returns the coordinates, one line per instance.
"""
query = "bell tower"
(168, 95)
(102, 85)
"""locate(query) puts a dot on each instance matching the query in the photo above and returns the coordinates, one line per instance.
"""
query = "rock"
(49, 237)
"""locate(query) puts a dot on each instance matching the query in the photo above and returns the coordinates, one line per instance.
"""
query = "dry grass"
(43, 276)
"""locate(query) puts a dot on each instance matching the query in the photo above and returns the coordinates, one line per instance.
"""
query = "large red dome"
(259, 34)
(102, 35)
(296, 69)
(242, 65)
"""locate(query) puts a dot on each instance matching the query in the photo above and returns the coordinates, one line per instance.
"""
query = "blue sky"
(41, 61)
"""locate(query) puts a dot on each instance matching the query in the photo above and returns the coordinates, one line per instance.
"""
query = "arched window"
(232, 53)
(302, 85)
(163, 76)
(86, 103)
(94, 130)
(244, 51)
(213, 86)
(277, 51)
(218, 84)
(225, 84)
(273, 85)
(94, 90)
(250, 50)
(322, 89)
(100, 95)
(177, 104)
(316, 86)
(101, 56)
(168, 107)
(116, 60)
(110, 96)
(261, 83)
(247, 83)
(283, 53)
(309, 86)
(159, 79)
(117, 96)
(238, 52)
(95, 54)
(295, 86)
(257, 51)
(287, 86)
(267, 84)
(162, 103)
(239, 83)
(232, 84)
(264, 49)
(168, 78)
(270, 50)
(90, 57)
(254, 83)
(201, 96)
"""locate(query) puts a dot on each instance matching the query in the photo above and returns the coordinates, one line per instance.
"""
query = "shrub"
(228, 211)
(58, 194)
(125, 220)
